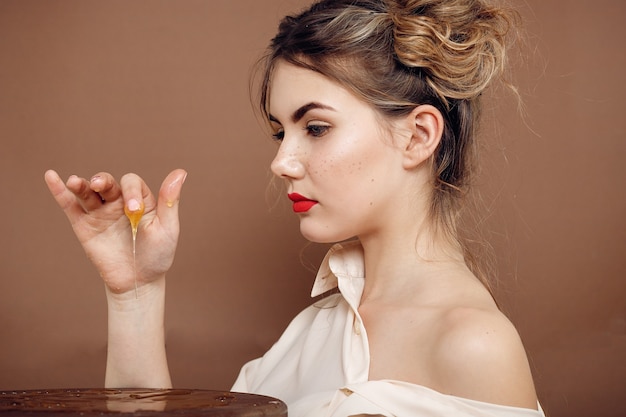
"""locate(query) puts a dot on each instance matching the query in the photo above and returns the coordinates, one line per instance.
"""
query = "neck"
(408, 260)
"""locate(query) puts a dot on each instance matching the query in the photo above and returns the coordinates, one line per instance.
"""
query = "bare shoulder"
(479, 355)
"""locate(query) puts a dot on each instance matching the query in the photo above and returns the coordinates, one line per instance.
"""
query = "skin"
(136, 347)
(428, 319)
(332, 150)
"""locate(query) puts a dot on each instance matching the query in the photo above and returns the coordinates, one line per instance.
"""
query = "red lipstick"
(301, 204)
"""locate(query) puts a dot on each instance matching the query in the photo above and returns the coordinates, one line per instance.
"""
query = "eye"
(279, 135)
(317, 130)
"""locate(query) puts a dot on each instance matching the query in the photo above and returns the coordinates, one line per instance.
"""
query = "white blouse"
(320, 364)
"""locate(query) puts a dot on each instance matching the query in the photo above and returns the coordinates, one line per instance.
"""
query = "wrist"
(135, 297)
(136, 338)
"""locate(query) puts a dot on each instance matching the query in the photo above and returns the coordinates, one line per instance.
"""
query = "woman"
(374, 105)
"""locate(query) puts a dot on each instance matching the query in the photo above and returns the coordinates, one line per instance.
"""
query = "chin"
(322, 234)
(316, 238)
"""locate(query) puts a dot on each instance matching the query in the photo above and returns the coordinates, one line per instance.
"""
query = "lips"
(301, 204)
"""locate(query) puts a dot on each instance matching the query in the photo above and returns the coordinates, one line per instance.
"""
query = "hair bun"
(460, 44)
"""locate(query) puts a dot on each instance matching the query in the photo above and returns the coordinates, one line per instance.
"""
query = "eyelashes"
(279, 135)
(315, 130)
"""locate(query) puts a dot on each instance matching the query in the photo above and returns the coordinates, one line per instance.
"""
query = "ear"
(425, 124)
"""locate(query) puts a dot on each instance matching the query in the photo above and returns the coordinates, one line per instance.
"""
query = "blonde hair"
(397, 54)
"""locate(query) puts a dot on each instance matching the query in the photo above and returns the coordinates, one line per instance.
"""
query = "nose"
(288, 161)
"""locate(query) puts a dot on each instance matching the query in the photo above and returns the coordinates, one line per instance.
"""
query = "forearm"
(136, 354)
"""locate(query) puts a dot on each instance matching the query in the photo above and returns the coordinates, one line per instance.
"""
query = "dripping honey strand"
(134, 217)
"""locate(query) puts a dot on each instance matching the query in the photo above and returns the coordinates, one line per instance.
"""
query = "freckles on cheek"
(357, 166)
(344, 167)
(327, 167)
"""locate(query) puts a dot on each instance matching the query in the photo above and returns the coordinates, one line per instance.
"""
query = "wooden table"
(138, 402)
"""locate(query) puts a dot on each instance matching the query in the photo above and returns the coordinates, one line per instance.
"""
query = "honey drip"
(134, 217)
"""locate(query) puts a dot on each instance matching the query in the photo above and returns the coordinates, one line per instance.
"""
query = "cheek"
(345, 158)
(337, 168)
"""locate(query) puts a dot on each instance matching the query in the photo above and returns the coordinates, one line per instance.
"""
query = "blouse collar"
(343, 267)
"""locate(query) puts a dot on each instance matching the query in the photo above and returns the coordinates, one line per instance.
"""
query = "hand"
(95, 209)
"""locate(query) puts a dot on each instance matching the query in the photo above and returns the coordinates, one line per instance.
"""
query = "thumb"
(169, 196)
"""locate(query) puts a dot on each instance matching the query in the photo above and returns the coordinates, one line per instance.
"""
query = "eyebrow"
(303, 110)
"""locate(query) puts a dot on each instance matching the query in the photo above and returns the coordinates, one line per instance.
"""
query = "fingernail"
(133, 205)
(95, 183)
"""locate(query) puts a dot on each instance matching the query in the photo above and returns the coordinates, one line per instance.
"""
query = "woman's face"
(341, 165)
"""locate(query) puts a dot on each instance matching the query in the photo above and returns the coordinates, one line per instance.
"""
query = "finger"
(105, 185)
(136, 193)
(63, 196)
(169, 197)
(80, 187)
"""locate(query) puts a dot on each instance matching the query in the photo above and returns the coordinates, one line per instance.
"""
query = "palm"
(105, 234)
(107, 240)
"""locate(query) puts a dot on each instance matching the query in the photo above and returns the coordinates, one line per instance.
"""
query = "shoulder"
(478, 354)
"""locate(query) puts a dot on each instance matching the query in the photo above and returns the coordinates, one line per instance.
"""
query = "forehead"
(291, 87)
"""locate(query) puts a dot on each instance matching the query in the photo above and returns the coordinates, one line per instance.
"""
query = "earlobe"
(426, 126)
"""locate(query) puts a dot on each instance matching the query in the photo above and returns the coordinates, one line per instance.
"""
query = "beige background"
(148, 86)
